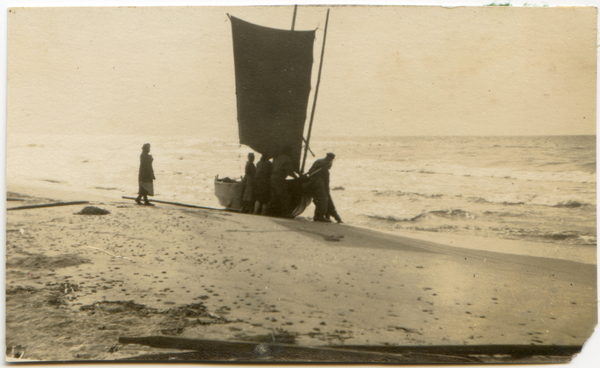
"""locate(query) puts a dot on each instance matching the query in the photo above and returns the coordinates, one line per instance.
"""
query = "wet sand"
(76, 283)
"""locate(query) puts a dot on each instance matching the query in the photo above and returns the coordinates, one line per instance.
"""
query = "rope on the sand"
(46, 205)
(110, 254)
(185, 205)
(257, 231)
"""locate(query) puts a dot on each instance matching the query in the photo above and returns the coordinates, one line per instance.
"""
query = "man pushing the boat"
(318, 187)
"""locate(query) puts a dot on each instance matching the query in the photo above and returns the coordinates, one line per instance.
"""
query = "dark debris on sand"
(91, 210)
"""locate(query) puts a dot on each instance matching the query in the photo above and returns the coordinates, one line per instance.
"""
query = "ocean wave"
(582, 173)
(447, 214)
(514, 146)
(562, 202)
(560, 236)
(504, 214)
(571, 204)
(502, 201)
(535, 235)
(572, 237)
(535, 200)
(422, 216)
(398, 193)
(508, 203)
(453, 213)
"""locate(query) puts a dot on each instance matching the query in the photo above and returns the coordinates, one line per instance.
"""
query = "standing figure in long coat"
(262, 185)
(146, 176)
(248, 184)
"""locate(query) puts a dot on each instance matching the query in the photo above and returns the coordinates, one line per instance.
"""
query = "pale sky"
(387, 70)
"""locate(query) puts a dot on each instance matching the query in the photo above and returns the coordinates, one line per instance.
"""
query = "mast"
(293, 23)
(312, 114)
(294, 19)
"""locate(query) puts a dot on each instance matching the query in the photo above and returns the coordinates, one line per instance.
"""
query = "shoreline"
(83, 281)
(582, 254)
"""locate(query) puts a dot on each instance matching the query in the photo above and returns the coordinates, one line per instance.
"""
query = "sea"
(539, 189)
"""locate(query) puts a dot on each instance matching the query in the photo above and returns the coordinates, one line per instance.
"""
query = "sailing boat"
(272, 74)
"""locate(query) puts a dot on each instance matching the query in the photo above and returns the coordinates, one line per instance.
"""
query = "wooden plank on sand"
(46, 205)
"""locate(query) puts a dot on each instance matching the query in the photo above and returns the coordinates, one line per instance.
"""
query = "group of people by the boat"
(266, 190)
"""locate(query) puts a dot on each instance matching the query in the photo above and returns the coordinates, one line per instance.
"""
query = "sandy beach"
(76, 283)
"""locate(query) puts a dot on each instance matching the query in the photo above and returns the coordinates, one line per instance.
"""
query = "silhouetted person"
(262, 185)
(146, 176)
(318, 187)
(280, 195)
(248, 193)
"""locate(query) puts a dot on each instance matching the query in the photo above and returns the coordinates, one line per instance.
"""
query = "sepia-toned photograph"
(301, 183)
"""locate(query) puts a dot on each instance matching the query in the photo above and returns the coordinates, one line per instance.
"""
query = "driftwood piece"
(212, 350)
(46, 205)
(251, 351)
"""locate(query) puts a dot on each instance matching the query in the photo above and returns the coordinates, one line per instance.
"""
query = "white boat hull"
(228, 193)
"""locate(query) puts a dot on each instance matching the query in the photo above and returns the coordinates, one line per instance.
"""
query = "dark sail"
(272, 78)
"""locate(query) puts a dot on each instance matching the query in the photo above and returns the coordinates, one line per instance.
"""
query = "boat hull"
(229, 193)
